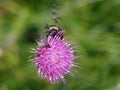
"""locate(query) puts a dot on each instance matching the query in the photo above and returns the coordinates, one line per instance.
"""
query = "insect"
(52, 30)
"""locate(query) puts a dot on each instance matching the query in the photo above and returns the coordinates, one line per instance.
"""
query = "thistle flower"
(53, 62)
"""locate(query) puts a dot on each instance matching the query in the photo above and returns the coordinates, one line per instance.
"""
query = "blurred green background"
(93, 24)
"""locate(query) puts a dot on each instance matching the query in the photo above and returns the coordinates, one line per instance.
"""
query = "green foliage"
(93, 24)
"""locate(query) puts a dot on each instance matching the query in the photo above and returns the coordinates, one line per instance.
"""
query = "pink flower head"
(55, 59)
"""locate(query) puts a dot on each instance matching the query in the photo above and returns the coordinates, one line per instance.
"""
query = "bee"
(52, 30)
